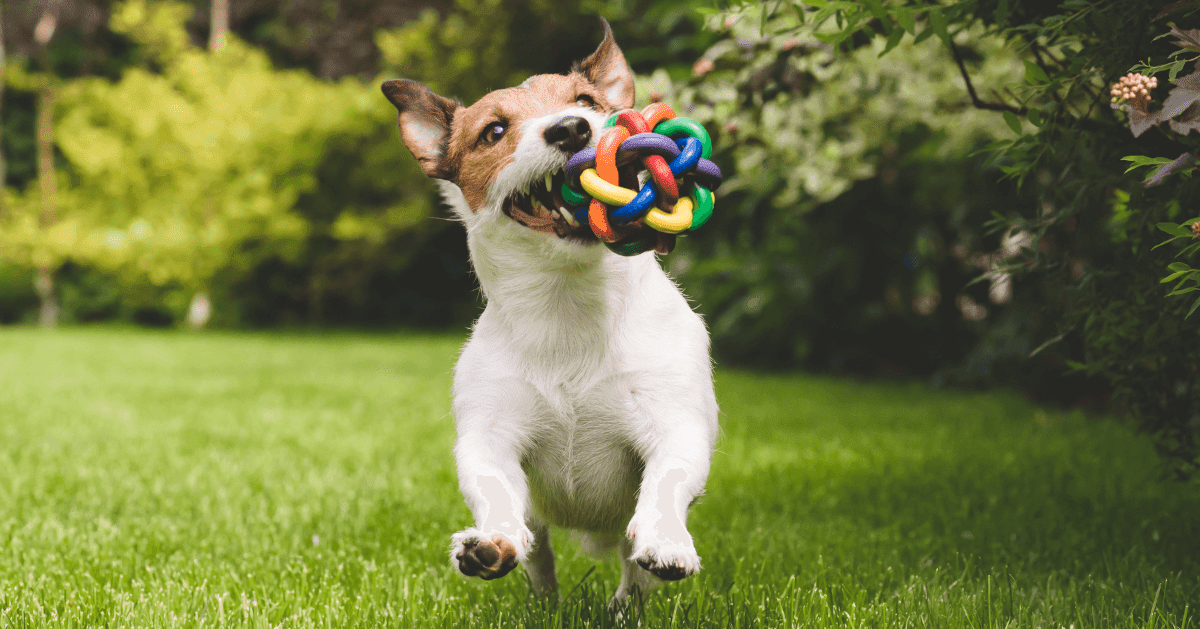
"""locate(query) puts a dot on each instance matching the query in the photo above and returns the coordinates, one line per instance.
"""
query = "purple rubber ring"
(708, 169)
(580, 160)
(636, 147)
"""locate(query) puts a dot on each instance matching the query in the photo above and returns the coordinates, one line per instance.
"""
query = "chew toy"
(675, 194)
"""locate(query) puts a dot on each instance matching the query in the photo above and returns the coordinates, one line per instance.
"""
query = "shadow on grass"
(984, 511)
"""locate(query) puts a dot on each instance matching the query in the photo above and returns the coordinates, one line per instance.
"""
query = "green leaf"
(1165, 242)
(1195, 304)
(1001, 14)
(1171, 277)
(1175, 68)
(1034, 74)
(1013, 122)
(1183, 291)
(993, 147)
(1175, 230)
(1142, 160)
(893, 40)
(1179, 266)
(937, 23)
(904, 17)
(876, 9)
(1034, 116)
(923, 35)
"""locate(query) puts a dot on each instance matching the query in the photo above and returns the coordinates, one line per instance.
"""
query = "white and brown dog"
(584, 398)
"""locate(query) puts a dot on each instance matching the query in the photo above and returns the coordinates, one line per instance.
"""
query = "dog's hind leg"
(539, 564)
(635, 582)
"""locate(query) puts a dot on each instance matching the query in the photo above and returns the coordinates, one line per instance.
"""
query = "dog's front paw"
(669, 563)
(667, 560)
(487, 555)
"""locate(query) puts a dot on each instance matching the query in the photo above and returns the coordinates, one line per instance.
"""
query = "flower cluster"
(1134, 89)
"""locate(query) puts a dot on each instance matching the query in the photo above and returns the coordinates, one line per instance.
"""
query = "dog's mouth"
(539, 206)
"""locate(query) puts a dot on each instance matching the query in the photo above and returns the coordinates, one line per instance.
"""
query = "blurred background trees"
(930, 190)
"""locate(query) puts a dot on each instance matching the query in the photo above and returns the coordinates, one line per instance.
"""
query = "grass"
(169, 479)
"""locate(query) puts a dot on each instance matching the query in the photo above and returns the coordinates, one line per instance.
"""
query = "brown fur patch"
(447, 139)
(477, 162)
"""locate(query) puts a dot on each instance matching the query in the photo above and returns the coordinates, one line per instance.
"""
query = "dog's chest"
(583, 471)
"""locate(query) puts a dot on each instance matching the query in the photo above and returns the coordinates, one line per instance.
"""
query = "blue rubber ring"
(688, 156)
(580, 212)
(635, 209)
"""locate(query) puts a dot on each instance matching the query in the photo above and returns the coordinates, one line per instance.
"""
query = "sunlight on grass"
(159, 479)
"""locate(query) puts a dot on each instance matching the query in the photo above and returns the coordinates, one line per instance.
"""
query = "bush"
(1068, 232)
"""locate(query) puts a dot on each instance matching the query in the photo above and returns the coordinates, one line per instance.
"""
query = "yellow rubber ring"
(679, 220)
(604, 191)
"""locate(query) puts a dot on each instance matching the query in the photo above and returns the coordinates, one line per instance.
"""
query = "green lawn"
(161, 479)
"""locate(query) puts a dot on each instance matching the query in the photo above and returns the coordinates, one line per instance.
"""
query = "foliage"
(341, 232)
(1068, 222)
(204, 164)
(306, 480)
(851, 219)
(465, 54)
(1132, 334)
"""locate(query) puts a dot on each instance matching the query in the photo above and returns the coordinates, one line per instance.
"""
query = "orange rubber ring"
(655, 113)
(606, 154)
(598, 219)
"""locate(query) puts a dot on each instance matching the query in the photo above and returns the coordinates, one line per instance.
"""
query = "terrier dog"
(584, 397)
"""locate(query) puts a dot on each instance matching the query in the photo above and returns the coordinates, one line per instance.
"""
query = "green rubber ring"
(571, 197)
(639, 242)
(686, 126)
(703, 198)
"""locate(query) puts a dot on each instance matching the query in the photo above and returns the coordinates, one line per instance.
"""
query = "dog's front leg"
(677, 464)
(495, 490)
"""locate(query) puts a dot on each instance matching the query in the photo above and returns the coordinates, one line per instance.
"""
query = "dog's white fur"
(584, 397)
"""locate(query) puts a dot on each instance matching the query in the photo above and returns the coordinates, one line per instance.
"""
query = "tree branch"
(979, 104)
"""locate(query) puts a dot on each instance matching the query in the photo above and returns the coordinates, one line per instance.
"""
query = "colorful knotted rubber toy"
(602, 182)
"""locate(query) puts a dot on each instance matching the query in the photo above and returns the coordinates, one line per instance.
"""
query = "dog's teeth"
(567, 216)
(549, 181)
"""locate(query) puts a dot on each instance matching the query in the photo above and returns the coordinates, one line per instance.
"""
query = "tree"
(219, 29)
(3, 59)
(48, 312)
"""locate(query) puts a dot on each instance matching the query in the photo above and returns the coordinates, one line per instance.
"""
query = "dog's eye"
(493, 132)
(583, 100)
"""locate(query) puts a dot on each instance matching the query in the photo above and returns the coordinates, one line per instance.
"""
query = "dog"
(584, 397)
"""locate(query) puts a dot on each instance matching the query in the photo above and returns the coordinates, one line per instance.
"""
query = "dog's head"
(507, 152)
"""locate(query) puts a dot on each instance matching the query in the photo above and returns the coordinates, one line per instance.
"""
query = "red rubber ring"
(664, 180)
(633, 121)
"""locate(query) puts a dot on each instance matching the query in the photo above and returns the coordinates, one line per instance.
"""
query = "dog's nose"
(570, 135)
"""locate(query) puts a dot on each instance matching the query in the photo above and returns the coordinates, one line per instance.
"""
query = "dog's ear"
(425, 120)
(609, 72)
